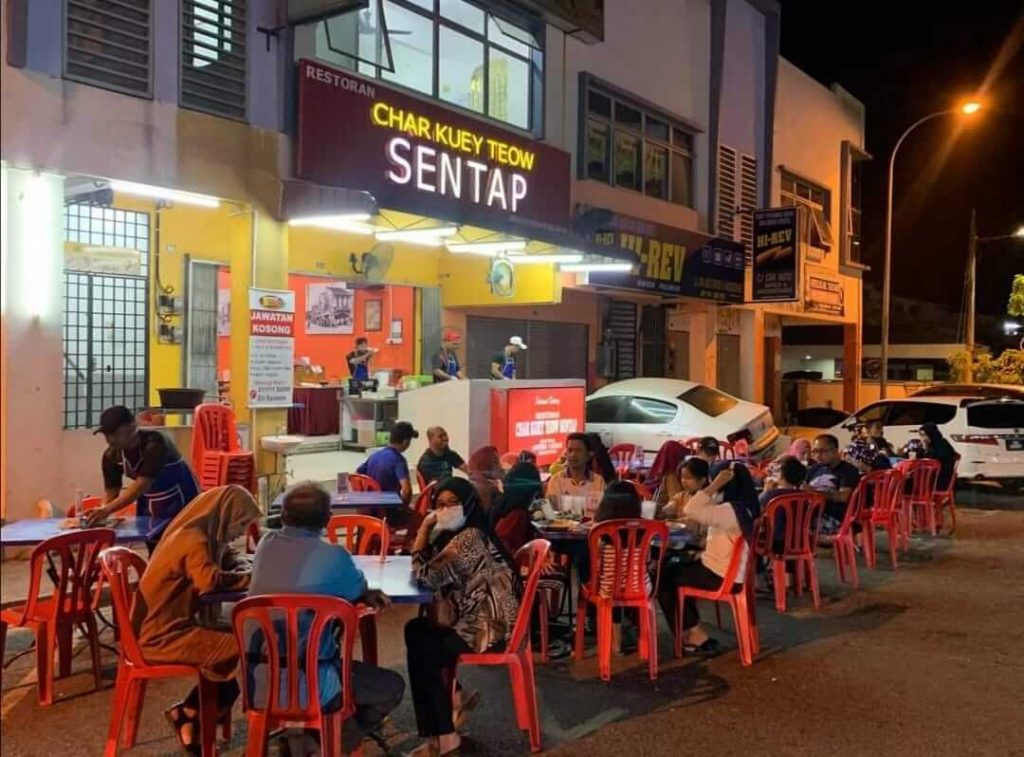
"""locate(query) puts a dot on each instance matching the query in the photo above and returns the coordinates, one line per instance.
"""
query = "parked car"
(987, 391)
(650, 411)
(988, 434)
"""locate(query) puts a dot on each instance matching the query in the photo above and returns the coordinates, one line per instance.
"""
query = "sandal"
(709, 648)
(176, 718)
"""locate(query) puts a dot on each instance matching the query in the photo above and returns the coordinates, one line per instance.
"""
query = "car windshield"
(709, 401)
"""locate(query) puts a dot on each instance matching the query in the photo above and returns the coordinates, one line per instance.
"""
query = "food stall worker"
(359, 359)
(446, 362)
(162, 482)
(503, 364)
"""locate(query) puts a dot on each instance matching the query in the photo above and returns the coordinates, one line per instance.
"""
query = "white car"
(988, 434)
(650, 411)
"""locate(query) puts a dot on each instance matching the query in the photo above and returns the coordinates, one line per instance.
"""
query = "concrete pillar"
(32, 307)
(259, 257)
(853, 353)
(752, 355)
(703, 346)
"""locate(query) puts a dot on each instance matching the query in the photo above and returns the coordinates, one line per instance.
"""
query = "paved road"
(922, 661)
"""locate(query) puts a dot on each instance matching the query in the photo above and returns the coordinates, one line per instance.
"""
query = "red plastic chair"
(421, 482)
(364, 534)
(887, 513)
(71, 561)
(260, 615)
(508, 460)
(134, 673)
(358, 482)
(424, 498)
(217, 456)
(621, 456)
(627, 586)
(944, 499)
(727, 450)
(642, 491)
(740, 599)
(802, 514)
(88, 503)
(692, 443)
(518, 653)
(843, 548)
(919, 494)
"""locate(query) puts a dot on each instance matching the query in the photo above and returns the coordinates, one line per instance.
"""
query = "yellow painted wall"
(313, 250)
(463, 281)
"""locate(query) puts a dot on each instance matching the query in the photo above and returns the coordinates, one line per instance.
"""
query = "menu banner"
(669, 260)
(416, 156)
(776, 256)
(538, 420)
(271, 347)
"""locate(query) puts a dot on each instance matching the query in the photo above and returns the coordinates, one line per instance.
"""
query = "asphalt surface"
(925, 660)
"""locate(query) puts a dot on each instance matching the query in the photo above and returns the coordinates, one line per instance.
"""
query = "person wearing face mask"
(474, 609)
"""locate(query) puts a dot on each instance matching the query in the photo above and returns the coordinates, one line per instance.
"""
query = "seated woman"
(663, 478)
(475, 606)
(727, 523)
(938, 448)
(195, 557)
(693, 476)
(487, 475)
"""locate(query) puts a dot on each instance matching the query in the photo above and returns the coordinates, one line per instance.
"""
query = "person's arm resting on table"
(350, 583)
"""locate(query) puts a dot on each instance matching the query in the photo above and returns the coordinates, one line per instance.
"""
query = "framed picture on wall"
(329, 308)
(372, 316)
(396, 330)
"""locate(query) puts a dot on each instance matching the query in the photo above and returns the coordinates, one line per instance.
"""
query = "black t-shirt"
(146, 461)
(436, 467)
(440, 363)
(823, 478)
(501, 357)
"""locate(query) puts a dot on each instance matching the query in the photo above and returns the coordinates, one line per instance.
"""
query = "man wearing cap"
(162, 483)
(503, 364)
(446, 362)
(388, 467)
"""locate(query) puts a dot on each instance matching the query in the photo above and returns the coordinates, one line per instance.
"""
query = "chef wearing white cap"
(503, 364)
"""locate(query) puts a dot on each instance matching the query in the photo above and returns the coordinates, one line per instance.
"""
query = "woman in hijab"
(486, 473)
(195, 557)
(727, 523)
(510, 516)
(938, 448)
(663, 478)
(475, 606)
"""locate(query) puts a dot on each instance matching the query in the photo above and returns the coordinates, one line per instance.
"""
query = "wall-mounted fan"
(501, 278)
(372, 266)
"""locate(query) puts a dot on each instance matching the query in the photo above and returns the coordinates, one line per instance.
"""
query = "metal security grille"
(105, 345)
(556, 350)
(213, 71)
(725, 220)
(623, 326)
(201, 327)
(107, 43)
(748, 203)
(653, 341)
(108, 227)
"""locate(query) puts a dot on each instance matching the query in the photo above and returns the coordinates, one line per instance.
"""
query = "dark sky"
(906, 66)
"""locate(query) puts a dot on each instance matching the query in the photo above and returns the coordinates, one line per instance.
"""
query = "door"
(653, 341)
(679, 355)
(201, 329)
(729, 363)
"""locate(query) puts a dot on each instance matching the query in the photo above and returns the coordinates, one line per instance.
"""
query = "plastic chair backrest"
(641, 490)
(854, 507)
(922, 476)
(264, 615)
(732, 572)
(692, 443)
(530, 559)
(358, 482)
(886, 492)
(869, 491)
(727, 449)
(421, 482)
(213, 430)
(949, 490)
(117, 564)
(424, 498)
(359, 533)
(622, 455)
(631, 541)
(802, 514)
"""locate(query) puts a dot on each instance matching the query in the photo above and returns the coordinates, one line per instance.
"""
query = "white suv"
(988, 434)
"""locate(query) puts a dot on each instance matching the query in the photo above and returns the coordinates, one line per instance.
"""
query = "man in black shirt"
(445, 364)
(162, 482)
(833, 477)
(438, 461)
(503, 364)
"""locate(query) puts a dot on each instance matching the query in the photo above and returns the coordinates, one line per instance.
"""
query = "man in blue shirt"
(296, 560)
(388, 467)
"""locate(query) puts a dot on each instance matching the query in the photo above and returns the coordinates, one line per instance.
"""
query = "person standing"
(439, 460)
(359, 359)
(446, 365)
(162, 482)
(503, 364)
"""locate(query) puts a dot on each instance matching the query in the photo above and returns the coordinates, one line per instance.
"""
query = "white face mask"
(451, 518)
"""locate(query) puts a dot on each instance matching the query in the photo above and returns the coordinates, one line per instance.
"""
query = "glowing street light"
(970, 107)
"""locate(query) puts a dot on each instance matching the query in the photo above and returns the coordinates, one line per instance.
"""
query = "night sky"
(906, 66)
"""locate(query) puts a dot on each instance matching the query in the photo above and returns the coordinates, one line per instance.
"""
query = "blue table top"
(29, 532)
(354, 500)
(393, 577)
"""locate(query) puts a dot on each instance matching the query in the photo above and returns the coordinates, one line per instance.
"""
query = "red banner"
(537, 420)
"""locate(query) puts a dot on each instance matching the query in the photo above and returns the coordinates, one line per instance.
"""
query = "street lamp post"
(966, 108)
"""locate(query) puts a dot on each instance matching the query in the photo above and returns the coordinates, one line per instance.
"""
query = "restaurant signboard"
(776, 256)
(271, 347)
(823, 294)
(669, 261)
(536, 420)
(417, 156)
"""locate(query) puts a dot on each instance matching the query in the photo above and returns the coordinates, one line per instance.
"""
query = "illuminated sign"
(419, 157)
(669, 260)
(536, 420)
(776, 258)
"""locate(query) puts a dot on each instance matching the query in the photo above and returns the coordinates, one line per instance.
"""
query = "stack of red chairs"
(217, 457)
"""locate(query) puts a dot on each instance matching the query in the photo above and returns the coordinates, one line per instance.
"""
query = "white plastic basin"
(281, 444)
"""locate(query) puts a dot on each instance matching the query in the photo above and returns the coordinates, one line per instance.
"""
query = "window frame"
(632, 404)
(818, 210)
(676, 128)
(533, 27)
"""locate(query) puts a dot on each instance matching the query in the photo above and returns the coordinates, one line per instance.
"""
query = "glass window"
(627, 116)
(461, 71)
(511, 37)
(874, 412)
(682, 179)
(682, 139)
(655, 171)
(604, 409)
(509, 92)
(599, 105)
(996, 415)
(916, 413)
(463, 13)
(597, 151)
(656, 129)
(708, 401)
(627, 160)
(411, 37)
(646, 410)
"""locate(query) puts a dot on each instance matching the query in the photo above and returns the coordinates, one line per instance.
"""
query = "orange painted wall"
(329, 350)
